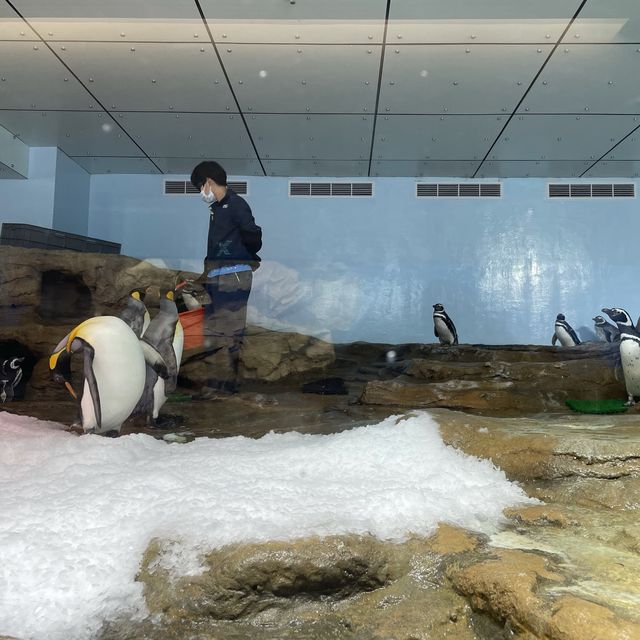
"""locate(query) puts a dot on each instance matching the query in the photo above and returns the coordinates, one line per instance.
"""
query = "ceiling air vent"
(455, 190)
(595, 190)
(184, 187)
(174, 187)
(624, 190)
(241, 187)
(331, 189)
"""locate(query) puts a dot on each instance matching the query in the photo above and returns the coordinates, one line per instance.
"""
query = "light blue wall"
(71, 199)
(31, 201)
(371, 268)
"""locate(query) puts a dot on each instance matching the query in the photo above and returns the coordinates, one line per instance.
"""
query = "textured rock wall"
(44, 294)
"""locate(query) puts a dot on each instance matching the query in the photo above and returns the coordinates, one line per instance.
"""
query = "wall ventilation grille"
(331, 189)
(462, 190)
(184, 187)
(595, 190)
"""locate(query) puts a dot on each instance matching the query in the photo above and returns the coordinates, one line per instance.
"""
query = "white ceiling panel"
(629, 149)
(615, 169)
(115, 20)
(315, 137)
(189, 135)
(233, 166)
(588, 78)
(75, 132)
(150, 76)
(303, 168)
(14, 153)
(560, 137)
(306, 76)
(314, 78)
(97, 164)
(533, 168)
(435, 137)
(416, 168)
(7, 173)
(458, 79)
(32, 78)
(493, 21)
(12, 26)
(607, 21)
(328, 21)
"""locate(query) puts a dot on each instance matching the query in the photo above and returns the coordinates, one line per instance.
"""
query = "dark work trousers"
(224, 324)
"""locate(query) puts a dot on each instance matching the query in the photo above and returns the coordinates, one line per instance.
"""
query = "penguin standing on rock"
(629, 351)
(166, 336)
(564, 333)
(443, 327)
(605, 331)
(113, 367)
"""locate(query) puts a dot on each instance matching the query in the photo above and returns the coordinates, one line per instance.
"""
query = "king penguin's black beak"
(61, 373)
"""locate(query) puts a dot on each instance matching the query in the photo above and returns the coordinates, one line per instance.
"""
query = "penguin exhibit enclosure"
(319, 320)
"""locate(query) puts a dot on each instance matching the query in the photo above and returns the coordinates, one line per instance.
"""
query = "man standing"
(232, 256)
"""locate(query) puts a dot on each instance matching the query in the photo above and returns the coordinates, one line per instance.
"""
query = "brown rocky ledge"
(504, 380)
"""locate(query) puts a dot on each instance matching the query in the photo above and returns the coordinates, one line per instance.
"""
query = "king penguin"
(113, 365)
(443, 327)
(629, 351)
(564, 333)
(605, 331)
(166, 336)
(135, 314)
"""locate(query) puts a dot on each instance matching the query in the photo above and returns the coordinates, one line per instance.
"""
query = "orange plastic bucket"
(193, 326)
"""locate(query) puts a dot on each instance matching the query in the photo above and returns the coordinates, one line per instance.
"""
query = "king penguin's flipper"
(153, 358)
(90, 378)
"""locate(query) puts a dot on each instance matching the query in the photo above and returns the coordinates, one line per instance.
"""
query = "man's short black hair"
(208, 169)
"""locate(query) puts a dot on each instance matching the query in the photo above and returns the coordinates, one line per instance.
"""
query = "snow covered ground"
(76, 513)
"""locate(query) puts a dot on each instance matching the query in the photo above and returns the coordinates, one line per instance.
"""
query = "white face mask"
(209, 198)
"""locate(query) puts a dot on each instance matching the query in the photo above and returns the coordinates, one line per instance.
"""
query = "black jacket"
(234, 236)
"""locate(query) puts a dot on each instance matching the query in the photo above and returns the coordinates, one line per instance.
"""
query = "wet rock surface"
(565, 569)
(514, 379)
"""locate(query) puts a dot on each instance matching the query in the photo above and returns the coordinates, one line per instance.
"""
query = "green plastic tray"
(597, 406)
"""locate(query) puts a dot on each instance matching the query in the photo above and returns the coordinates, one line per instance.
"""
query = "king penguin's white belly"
(159, 397)
(119, 369)
(443, 331)
(630, 356)
(178, 343)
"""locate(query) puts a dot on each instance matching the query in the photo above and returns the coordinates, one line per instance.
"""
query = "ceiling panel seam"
(610, 150)
(524, 95)
(66, 66)
(233, 93)
(380, 70)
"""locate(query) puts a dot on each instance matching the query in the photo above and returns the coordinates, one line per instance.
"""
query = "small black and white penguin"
(564, 333)
(443, 327)
(10, 377)
(135, 314)
(166, 336)
(113, 367)
(605, 331)
(629, 351)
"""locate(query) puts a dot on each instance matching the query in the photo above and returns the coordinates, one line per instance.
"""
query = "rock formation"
(44, 294)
